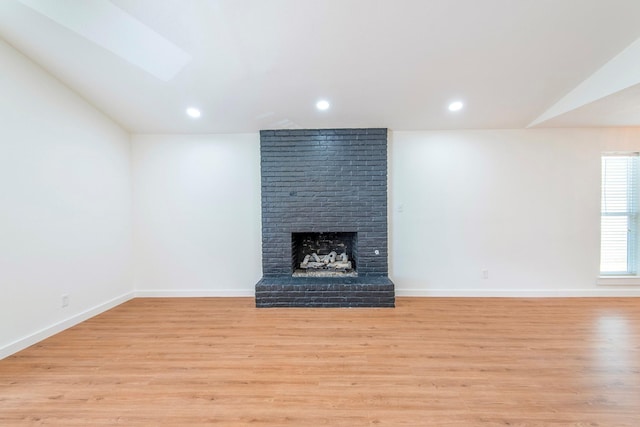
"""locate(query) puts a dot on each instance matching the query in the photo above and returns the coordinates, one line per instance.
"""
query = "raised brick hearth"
(331, 183)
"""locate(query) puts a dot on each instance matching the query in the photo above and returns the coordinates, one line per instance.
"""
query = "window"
(619, 214)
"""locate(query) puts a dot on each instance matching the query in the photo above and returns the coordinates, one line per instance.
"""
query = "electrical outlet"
(485, 274)
(65, 300)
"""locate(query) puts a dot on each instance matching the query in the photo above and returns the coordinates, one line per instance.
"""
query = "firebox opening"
(326, 254)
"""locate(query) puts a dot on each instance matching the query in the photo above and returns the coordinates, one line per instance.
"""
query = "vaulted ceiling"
(258, 64)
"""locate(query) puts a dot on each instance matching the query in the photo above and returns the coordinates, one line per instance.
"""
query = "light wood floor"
(428, 362)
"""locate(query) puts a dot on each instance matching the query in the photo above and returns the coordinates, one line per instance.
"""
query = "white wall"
(522, 204)
(65, 206)
(197, 214)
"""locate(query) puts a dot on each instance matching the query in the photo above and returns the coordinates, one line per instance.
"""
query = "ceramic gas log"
(331, 261)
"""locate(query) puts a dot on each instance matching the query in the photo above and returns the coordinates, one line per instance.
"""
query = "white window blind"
(619, 214)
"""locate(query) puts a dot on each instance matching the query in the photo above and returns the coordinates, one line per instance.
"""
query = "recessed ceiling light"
(193, 112)
(456, 106)
(323, 105)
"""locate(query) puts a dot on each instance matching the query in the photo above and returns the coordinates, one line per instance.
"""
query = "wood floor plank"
(428, 362)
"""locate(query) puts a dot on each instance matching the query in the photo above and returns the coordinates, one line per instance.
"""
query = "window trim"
(614, 280)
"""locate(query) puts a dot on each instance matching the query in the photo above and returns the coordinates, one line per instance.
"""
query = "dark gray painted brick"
(318, 180)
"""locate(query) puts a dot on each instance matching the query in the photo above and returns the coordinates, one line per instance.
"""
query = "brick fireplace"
(324, 219)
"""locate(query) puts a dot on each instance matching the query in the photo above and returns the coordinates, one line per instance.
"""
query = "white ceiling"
(262, 64)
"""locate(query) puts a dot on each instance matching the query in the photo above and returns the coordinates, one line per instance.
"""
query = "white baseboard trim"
(194, 293)
(42, 334)
(503, 293)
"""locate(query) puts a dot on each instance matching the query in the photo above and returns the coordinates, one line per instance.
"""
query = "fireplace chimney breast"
(316, 182)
